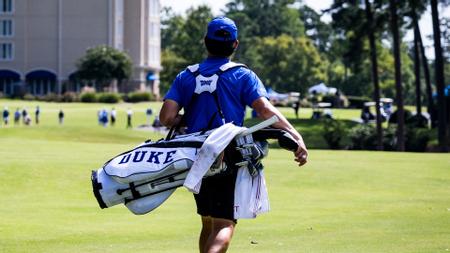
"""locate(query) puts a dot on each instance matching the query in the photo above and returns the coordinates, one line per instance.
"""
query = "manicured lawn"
(342, 201)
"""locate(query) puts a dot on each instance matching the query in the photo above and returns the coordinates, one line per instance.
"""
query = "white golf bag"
(144, 177)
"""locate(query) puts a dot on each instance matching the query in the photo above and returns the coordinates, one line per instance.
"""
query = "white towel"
(216, 142)
(250, 195)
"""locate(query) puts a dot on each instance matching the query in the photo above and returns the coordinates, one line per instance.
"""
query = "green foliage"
(173, 64)
(51, 97)
(364, 138)
(70, 97)
(288, 64)
(135, 97)
(103, 64)
(29, 97)
(110, 98)
(88, 97)
(290, 48)
(319, 32)
(265, 18)
(417, 139)
(182, 41)
(333, 132)
(184, 36)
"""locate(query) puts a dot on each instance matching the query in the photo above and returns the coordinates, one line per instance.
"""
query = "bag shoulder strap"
(209, 84)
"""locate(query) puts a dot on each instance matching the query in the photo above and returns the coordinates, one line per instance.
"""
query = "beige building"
(41, 40)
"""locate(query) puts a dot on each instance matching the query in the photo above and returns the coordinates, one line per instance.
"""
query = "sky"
(180, 6)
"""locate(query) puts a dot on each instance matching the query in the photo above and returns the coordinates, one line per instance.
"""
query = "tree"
(189, 44)
(319, 32)
(172, 64)
(398, 77)
(171, 28)
(373, 58)
(265, 18)
(430, 105)
(103, 64)
(262, 18)
(417, 72)
(439, 75)
(288, 64)
(349, 47)
(414, 10)
(182, 41)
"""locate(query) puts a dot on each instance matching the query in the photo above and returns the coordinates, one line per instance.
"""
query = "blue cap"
(222, 29)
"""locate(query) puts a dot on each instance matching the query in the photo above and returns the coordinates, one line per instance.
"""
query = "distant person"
(129, 115)
(113, 116)
(37, 113)
(5, 116)
(61, 117)
(17, 116)
(157, 122)
(24, 114)
(104, 117)
(27, 120)
(387, 109)
(327, 113)
(149, 113)
(296, 107)
(366, 115)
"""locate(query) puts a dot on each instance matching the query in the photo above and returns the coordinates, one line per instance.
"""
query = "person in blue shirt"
(212, 93)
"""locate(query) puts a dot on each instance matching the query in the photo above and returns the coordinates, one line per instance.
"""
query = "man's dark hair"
(219, 48)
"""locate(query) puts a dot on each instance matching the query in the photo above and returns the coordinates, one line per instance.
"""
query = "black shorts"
(216, 196)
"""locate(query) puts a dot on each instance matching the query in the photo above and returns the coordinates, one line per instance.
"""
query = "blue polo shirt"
(236, 88)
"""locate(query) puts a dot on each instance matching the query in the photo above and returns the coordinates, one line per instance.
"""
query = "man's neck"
(217, 56)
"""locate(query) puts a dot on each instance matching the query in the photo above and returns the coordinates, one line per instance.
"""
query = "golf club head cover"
(285, 140)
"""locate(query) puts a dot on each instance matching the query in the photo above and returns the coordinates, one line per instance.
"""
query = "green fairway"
(342, 201)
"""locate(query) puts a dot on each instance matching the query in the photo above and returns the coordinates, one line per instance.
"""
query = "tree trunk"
(417, 73)
(426, 71)
(398, 78)
(373, 58)
(439, 72)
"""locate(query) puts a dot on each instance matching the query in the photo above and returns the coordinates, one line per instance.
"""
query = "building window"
(6, 28)
(6, 51)
(6, 6)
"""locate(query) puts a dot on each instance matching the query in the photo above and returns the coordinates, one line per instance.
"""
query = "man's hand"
(265, 110)
(301, 155)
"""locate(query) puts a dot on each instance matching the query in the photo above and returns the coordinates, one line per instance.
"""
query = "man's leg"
(216, 235)
(204, 234)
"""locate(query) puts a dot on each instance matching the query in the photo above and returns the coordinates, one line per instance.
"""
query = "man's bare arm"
(265, 110)
(168, 115)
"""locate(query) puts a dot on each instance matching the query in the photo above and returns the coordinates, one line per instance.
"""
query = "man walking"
(61, 117)
(5, 116)
(212, 93)
(37, 113)
(129, 115)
